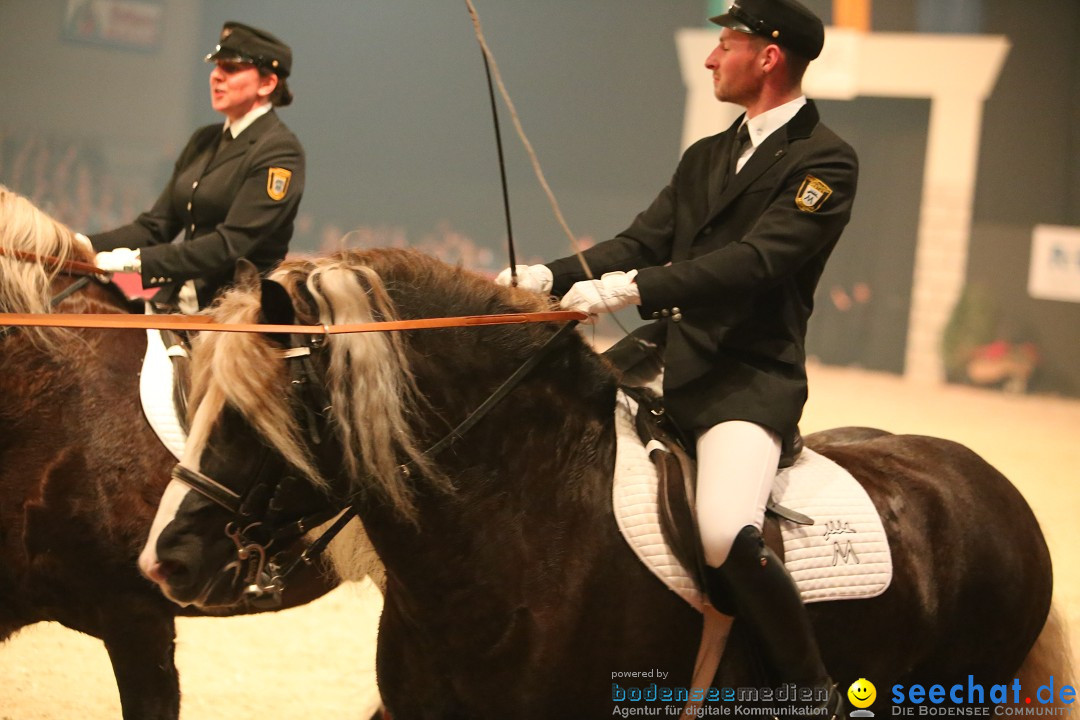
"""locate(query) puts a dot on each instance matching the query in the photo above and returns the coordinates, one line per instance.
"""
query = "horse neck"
(569, 394)
(96, 297)
(538, 463)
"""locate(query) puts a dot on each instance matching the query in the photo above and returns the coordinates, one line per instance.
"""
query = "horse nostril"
(167, 570)
(154, 572)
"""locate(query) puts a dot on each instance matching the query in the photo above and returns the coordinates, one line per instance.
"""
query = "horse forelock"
(372, 391)
(247, 372)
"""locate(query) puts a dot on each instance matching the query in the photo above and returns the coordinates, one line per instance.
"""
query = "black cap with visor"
(246, 44)
(787, 23)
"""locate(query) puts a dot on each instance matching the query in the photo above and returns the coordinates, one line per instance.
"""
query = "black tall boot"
(755, 587)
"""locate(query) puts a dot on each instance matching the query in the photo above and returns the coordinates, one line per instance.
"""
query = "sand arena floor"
(318, 660)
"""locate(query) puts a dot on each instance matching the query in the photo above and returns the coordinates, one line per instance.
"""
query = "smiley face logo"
(862, 693)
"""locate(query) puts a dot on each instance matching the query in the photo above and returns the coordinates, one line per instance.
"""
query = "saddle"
(638, 359)
(178, 347)
(676, 473)
(838, 550)
(163, 386)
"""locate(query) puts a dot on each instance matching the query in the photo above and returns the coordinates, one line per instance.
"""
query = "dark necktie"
(738, 146)
(742, 139)
(222, 143)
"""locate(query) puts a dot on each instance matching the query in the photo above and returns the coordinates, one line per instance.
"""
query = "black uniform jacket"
(232, 198)
(728, 265)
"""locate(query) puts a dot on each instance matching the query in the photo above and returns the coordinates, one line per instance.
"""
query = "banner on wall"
(1055, 263)
(125, 24)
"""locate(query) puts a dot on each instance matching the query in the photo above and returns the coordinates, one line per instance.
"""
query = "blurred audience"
(68, 178)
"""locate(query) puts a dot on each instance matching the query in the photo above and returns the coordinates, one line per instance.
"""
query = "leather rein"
(68, 267)
(202, 323)
(85, 272)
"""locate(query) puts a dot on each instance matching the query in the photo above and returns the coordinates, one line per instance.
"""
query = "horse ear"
(277, 307)
(246, 275)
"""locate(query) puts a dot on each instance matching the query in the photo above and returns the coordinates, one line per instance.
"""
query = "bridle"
(262, 570)
(265, 574)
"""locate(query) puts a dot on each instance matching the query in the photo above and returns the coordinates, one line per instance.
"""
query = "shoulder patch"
(277, 182)
(812, 194)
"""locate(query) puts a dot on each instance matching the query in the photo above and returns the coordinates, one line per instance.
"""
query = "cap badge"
(812, 194)
(277, 182)
(226, 32)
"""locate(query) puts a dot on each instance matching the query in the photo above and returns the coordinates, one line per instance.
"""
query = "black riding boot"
(755, 587)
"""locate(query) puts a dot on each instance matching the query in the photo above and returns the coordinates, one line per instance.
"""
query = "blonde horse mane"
(371, 387)
(25, 286)
(23, 227)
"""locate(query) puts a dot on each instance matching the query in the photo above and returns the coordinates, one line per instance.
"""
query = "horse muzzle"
(246, 576)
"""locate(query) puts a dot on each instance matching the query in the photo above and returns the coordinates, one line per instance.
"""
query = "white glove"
(536, 278)
(119, 260)
(613, 291)
(84, 243)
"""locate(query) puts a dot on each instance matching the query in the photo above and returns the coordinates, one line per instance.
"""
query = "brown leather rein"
(203, 324)
(70, 267)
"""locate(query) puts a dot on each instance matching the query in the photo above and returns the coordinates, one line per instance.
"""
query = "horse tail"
(1049, 656)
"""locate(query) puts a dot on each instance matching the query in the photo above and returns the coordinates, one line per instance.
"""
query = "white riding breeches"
(736, 465)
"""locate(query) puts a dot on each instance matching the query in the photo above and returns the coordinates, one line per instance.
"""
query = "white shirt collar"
(768, 122)
(242, 124)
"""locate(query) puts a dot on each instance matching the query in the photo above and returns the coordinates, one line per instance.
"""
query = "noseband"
(266, 577)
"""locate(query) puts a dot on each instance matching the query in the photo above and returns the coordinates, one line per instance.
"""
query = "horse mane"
(23, 227)
(26, 287)
(374, 399)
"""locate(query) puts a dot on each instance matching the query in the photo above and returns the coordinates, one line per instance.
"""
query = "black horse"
(81, 471)
(510, 592)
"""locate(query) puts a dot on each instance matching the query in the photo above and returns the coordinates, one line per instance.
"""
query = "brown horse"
(510, 592)
(81, 472)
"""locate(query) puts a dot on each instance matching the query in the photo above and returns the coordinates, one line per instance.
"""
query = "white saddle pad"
(156, 393)
(843, 555)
